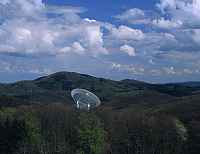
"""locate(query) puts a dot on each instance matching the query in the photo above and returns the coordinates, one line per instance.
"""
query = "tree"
(91, 134)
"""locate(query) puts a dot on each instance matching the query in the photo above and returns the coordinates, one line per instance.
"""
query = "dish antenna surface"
(84, 99)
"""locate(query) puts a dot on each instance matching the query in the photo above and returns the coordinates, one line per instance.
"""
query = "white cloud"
(166, 4)
(169, 70)
(185, 6)
(178, 13)
(116, 66)
(151, 61)
(153, 71)
(93, 37)
(64, 9)
(187, 71)
(127, 33)
(29, 37)
(196, 35)
(128, 49)
(134, 16)
(180, 55)
(22, 34)
(7, 48)
(4, 2)
(21, 8)
(131, 69)
(167, 24)
(65, 50)
(90, 20)
(28, 29)
(186, 11)
(134, 13)
(76, 48)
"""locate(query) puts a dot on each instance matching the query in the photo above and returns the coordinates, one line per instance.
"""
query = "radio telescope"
(84, 99)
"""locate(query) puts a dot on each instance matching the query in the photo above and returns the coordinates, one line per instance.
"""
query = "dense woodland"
(57, 129)
(134, 117)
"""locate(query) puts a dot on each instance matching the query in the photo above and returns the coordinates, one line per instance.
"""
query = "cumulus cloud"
(169, 70)
(167, 24)
(166, 4)
(93, 37)
(178, 12)
(76, 48)
(21, 8)
(186, 11)
(166, 40)
(64, 9)
(180, 55)
(134, 16)
(127, 33)
(132, 69)
(190, 6)
(128, 49)
(4, 2)
(26, 28)
(185, 40)
(28, 37)
(134, 13)
(196, 35)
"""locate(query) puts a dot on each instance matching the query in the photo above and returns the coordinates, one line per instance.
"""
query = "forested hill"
(38, 117)
(57, 87)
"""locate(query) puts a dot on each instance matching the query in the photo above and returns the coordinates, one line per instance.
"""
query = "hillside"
(37, 116)
(57, 87)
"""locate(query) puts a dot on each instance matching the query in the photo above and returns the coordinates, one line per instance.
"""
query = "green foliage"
(19, 130)
(181, 129)
(53, 88)
(36, 117)
(32, 129)
(7, 113)
(91, 134)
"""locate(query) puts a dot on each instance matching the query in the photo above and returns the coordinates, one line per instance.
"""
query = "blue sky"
(104, 9)
(154, 40)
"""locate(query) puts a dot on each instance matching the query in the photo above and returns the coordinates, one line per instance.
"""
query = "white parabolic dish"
(85, 99)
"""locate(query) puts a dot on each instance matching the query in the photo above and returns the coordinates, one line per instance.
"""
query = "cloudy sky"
(150, 40)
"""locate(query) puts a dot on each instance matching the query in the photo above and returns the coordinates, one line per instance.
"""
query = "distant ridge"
(56, 88)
